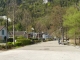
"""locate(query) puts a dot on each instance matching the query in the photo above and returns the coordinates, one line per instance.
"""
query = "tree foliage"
(43, 17)
(72, 20)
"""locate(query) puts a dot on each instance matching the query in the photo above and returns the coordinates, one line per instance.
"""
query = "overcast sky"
(45, 1)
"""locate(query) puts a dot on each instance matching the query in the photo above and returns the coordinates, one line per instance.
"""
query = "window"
(2, 32)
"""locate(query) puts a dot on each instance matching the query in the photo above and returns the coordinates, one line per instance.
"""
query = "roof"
(18, 33)
(1, 27)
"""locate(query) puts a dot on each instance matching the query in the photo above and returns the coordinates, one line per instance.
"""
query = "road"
(43, 51)
(51, 45)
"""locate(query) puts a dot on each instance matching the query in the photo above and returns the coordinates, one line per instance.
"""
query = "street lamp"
(32, 32)
(32, 28)
(42, 36)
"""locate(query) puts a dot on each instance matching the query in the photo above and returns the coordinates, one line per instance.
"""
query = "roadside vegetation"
(19, 42)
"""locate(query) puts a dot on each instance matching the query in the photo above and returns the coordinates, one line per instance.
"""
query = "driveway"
(43, 51)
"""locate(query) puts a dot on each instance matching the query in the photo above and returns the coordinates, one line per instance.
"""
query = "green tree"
(72, 21)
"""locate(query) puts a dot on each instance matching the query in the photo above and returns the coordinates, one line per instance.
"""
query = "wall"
(5, 33)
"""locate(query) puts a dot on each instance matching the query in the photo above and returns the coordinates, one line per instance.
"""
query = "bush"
(18, 44)
(34, 38)
(10, 40)
(2, 47)
(45, 40)
(16, 37)
(9, 45)
(24, 41)
(20, 37)
(37, 41)
(1, 41)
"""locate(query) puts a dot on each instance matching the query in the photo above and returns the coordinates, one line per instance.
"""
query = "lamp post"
(32, 32)
(42, 36)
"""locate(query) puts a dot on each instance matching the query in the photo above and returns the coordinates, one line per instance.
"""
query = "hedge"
(23, 41)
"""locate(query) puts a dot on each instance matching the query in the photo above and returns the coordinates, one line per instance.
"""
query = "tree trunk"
(79, 39)
(66, 34)
(62, 34)
(13, 22)
(75, 38)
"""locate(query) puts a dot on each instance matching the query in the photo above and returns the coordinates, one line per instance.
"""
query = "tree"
(56, 18)
(71, 20)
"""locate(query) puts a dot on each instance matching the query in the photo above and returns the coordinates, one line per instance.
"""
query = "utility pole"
(6, 25)
(6, 29)
(62, 30)
(13, 21)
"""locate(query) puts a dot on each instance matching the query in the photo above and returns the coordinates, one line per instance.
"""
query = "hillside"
(47, 17)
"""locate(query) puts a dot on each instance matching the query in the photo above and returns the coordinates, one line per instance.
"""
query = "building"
(45, 36)
(18, 33)
(3, 33)
(35, 35)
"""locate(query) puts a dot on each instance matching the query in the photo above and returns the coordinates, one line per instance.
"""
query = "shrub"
(34, 38)
(24, 41)
(10, 40)
(18, 44)
(37, 41)
(20, 37)
(16, 37)
(1, 41)
(3, 47)
(45, 40)
(9, 45)
(0, 47)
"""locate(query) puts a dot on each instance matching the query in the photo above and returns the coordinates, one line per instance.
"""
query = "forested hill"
(47, 17)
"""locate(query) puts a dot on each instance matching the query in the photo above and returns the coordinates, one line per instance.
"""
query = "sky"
(45, 1)
(5, 18)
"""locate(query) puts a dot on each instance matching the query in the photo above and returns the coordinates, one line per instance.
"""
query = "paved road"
(43, 51)
(51, 45)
